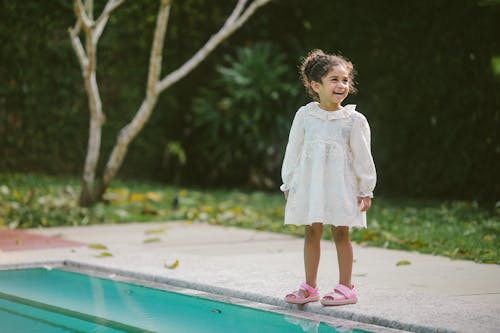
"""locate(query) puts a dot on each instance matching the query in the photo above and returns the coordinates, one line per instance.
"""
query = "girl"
(328, 172)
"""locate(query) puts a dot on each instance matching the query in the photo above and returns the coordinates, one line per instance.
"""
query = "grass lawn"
(457, 229)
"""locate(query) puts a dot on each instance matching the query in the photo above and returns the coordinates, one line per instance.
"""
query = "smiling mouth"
(338, 93)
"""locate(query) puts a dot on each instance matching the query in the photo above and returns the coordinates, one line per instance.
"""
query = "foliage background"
(426, 83)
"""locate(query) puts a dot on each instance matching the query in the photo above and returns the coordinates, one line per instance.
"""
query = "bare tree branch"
(111, 6)
(103, 18)
(81, 14)
(248, 12)
(130, 131)
(77, 46)
(89, 9)
(87, 57)
(156, 56)
(226, 30)
(236, 12)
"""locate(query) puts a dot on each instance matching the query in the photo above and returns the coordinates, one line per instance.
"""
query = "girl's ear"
(315, 86)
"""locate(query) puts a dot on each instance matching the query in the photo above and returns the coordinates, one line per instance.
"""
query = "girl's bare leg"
(344, 254)
(312, 251)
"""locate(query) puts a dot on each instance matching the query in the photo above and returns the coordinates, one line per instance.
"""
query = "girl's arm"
(293, 151)
(364, 167)
(364, 203)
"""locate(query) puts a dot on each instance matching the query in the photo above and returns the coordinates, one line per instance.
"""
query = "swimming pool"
(58, 300)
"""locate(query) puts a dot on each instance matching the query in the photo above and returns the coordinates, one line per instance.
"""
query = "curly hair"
(317, 64)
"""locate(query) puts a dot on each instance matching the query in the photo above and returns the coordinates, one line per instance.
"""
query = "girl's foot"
(341, 295)
(304, 295)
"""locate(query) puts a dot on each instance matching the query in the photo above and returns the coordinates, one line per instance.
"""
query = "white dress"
(327, 165)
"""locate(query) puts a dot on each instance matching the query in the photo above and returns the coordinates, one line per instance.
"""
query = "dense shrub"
(241, 120)
(427, 84)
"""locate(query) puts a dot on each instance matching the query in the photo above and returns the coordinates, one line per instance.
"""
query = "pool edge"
(356, 321)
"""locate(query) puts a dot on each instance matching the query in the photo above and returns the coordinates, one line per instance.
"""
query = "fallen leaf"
(116, 195)
(152, 240)
(155, 231)
(403, 263)
(98, 247)
(489, 238)
(147, 209)
(104, 254)
(173, 266)
(154, 196)
(207, 209)
(137, 197)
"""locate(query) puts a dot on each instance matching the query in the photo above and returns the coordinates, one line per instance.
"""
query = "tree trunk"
(87, 197)
(130, 131)
(87, 56)
(88, 62)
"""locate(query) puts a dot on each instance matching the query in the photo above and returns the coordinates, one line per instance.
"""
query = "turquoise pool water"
(41, 300)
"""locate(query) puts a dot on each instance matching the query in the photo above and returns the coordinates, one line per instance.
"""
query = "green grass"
(457, 229)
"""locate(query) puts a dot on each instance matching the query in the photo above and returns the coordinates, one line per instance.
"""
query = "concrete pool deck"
(432, 294)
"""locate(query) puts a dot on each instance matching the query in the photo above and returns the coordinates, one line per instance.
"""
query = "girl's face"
(334, 86)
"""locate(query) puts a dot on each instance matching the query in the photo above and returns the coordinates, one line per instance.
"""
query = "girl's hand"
(364, 203)
(286, 195)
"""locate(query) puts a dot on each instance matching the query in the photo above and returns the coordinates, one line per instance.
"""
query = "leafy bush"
(242, 120)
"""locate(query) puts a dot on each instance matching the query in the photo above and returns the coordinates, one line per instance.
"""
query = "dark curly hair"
(317, 64)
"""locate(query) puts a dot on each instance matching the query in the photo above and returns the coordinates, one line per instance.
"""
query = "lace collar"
(315, 110)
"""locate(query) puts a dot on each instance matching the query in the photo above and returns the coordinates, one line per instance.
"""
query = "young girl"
(328, 172)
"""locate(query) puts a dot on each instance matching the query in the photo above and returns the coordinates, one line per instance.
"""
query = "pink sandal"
(297, 298)
(341, 295)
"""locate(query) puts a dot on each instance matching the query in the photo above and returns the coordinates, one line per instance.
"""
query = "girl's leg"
(312, 250)
(344, 254)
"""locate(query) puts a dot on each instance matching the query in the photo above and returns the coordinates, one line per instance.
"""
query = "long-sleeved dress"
(327, 165)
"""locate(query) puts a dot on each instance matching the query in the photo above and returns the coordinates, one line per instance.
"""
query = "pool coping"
(341, 319)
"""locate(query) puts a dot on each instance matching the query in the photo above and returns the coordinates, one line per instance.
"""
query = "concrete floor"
(432, 294)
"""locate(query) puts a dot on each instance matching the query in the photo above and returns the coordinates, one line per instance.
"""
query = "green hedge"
(426, 83)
